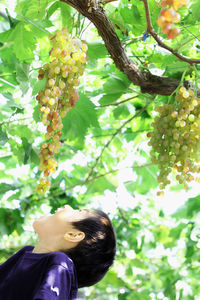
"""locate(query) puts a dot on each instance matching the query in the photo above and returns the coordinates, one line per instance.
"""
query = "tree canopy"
(104, 160)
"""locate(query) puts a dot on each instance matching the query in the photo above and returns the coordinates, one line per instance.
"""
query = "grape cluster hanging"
(67, 62)
(168, 17)
(175, 139)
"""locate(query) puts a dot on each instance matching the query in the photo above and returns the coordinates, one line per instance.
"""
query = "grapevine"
(175, 139)
(67, 62)
(168, 16)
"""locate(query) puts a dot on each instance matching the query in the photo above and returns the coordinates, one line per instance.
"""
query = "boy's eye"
(84, 209)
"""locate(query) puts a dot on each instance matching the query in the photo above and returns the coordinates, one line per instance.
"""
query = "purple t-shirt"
(38, 276)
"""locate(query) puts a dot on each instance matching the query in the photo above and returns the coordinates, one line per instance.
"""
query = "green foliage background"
(158, 254)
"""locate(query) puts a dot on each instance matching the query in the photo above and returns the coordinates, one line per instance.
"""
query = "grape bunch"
(175, 139)
(67, 61)
(168, 16)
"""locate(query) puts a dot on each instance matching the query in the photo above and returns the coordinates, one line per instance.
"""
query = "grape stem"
(180, 84)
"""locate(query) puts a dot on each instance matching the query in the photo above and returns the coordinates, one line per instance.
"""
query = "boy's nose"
(68, 206)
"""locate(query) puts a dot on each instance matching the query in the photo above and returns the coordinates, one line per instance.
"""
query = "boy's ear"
(74, 236)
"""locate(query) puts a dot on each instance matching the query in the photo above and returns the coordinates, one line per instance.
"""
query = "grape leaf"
(195, 8)
(3, 137)
(96, 50)
(22, 75)
(32, 9)
(146, 179)
(24, 42)
(79, 119)
(27, 148)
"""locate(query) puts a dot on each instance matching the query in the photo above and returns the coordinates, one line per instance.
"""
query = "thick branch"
(151, 31)
(148, 82)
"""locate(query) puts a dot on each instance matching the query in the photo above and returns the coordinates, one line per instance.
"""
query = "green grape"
(175, 139)
(51, 82)
(191, 118)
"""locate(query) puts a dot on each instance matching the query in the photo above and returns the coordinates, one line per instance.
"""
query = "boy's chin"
(34, 225)
(40, 222)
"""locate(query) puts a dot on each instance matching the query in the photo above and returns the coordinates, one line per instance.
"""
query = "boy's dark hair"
(94, 255)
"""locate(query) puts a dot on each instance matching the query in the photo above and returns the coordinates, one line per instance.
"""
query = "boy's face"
(60, 222)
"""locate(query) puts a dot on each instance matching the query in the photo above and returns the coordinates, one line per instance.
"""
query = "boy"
(75, 249)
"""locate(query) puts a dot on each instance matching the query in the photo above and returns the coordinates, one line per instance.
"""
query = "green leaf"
(22, 72)
(24, 42)
(99, 185)
(11, 102)
(176, 232)
(195, 8)
(129, 134)
(13, 22)
(65, 10)
(146, 180)
(121, 111)
(33, 10)
(116, 18)
(22, 131)
(38, 85)
(67, 19)
(127, 14)
(139, 264)
(27, 148)
(3, 137)
(8, 161)
(5, 187)
(7, 86)
(79, 119)
(109, 98)
(116, 85)
(34, 157)
(22, 75)
(113, 88)
(8, 220)
(139, 295)
(138, 19)
(189, 209)
(39, 27)
(6, 35)
(8, 108)
(96, 51)
(53, 8)
(36, 114)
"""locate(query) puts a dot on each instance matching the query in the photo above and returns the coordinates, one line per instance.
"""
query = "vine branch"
(16, 120)
(117, 103)
(86, 181)
(151, 31)
(106, 135)
(113, 136)
(149, 83)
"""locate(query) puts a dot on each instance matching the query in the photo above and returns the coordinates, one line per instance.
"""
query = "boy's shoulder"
(60, 258)
(54, 258)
